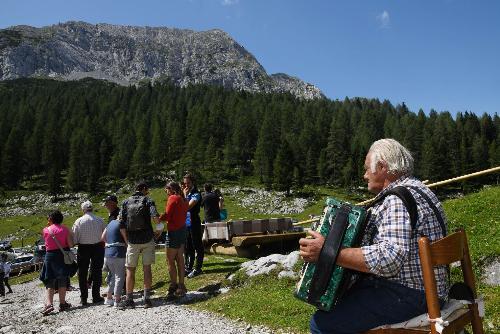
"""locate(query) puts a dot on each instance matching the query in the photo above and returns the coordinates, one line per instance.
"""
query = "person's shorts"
(135, 250)
(175, 239)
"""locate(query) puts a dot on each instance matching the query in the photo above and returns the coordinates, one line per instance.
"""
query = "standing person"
(193, 196)
(393, 290)
(2, 288)
(55, 273)
(6, 272)
(210, 204)
(87, 231)
(175, 215)
(115, 240)
(111, 204)
(135, 218)
(221, 199)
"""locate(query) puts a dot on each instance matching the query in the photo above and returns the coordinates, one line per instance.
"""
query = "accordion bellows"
(340, 277)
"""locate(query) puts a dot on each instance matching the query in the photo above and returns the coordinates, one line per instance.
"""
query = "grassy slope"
(269, 301)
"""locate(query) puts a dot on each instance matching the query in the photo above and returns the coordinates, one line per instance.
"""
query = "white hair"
(395, 155)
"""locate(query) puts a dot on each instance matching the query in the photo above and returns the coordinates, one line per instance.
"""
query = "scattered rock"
(266, 202)
(64, 329)
(6, 329)
(287, 274)
(492, 273)
(25, 317)
(224, 290)
(265, 265)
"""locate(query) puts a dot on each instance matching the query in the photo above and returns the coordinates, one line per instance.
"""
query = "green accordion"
(323, 283)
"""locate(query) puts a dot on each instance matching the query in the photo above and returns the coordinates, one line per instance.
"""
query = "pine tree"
(337, 151)
(284, 168)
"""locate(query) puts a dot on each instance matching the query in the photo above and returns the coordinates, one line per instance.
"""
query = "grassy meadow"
(268, 300)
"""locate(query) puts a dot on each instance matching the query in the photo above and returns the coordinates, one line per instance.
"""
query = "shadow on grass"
(225, 264)
(158, 285)
(219, 270)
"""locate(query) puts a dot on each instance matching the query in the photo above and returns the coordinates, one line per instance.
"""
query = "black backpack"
(138, 215)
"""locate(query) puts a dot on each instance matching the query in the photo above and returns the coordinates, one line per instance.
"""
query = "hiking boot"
(195, 273)
(97, 300)
(181, 291)
(127, 303)
(47, 309)
(64, 307)
(148, 303)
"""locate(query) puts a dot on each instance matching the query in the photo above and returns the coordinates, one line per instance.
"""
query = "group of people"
(129, 236)
(390, 289)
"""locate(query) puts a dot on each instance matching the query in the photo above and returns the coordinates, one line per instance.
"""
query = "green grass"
(479, 215)
(268, 300)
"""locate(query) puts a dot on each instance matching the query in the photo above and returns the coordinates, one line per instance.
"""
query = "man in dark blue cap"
(111, 204)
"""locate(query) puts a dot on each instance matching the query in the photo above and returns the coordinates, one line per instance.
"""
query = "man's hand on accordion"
(310, 248)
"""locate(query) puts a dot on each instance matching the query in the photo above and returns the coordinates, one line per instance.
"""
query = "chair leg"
(477, 323)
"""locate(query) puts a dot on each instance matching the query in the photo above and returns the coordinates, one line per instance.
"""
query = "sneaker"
(48, 309)
(148, 303)
(181, 291)
(127, 303)
(195, 273)
(64, 307)
(116, 304)
(109, 302)
(97, 300)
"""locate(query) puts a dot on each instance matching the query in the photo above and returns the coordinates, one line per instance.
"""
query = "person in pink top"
(55, 273)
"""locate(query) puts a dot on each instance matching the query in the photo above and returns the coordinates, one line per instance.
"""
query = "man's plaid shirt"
(390, 248)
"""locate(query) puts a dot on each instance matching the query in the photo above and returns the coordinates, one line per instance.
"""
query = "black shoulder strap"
(328, 255)
(433, 207)
(408, 200)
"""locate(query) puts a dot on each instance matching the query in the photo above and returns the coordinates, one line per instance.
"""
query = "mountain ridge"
(130, 54)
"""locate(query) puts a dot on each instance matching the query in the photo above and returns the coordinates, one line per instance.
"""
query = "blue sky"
(441, 54)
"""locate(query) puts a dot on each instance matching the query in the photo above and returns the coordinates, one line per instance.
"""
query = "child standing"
(6, 272)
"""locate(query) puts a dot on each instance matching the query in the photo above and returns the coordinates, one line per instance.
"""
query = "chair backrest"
(447, 250)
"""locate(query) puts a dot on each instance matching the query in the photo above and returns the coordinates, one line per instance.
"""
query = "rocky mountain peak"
(130, 54)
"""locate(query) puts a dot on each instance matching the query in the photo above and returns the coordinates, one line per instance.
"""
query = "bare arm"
(123, 232)
(103, 236)
(192, 203)
(69, 238)
(351, 258)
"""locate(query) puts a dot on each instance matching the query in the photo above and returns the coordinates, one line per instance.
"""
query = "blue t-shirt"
(195, 210)
(115, 245)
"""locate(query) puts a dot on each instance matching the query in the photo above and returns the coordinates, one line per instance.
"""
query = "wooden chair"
(444, 251)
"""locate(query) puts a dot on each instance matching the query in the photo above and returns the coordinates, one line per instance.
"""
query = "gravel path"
(20, 313)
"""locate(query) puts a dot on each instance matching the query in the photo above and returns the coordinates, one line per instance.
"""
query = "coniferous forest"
(79, 135)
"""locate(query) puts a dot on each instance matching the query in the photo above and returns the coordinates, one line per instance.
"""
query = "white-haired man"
(87, 232)
(392, 289)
